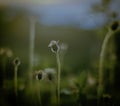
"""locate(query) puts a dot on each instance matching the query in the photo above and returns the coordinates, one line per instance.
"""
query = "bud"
(16, 61)
(39, 75)
(114, 25)
(50, 74)
(54, 46)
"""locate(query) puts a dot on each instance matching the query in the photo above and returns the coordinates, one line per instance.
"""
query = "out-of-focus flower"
(63, 46)
(9, 52)
(66, 91)
(6, 51)
(2, 51)
(16, 61)
(91, 80)
(39, 75)
(54, 46)
(50, 73)
(114, 26)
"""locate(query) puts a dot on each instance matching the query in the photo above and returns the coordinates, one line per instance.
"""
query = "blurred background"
(82, 26)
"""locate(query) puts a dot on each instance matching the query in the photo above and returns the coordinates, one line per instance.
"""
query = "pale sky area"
(76, 13)
(34, 1)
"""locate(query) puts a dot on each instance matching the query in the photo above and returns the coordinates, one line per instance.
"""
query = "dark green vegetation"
(79, 73)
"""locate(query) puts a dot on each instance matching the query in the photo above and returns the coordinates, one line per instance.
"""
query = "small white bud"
(54, 46)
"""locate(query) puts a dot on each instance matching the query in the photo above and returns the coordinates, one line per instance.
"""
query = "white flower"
(54, 46)
(50, 73)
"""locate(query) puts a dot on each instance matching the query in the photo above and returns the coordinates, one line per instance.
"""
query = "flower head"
(16, 61)
(39, 75)
(50, 73)
(114, 26)
(54, 46)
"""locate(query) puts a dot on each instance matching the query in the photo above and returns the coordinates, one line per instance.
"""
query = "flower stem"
(32, 43)
(101, 62)
(15, 79)
(39, 93)
(59, 73)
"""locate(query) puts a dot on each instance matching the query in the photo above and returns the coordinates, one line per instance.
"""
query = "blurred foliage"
(79, 67)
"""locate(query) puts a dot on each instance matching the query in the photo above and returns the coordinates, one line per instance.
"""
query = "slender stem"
(4, 70)
(39, 93)
(32, 43)
(15, 79)
(101, 62)
(53, 93)
(59, 73)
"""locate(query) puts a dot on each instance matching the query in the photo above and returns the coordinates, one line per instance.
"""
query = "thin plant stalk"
(101, 63)
(55, 48)
(4, 70)
(53, 93)
(59, 75)
(39, 93)
(16, 63)
(15, 79)
(32, 44)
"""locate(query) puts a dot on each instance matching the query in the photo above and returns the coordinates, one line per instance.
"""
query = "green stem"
(101, 62)
(4, 70)
(15, 79)
(59, 73)
(32, 43)
(39, 93)
(53, 94)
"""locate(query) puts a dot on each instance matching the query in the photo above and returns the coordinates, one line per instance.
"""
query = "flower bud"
(54, 46)
(39, 75)
(16, 61)
(114, 25)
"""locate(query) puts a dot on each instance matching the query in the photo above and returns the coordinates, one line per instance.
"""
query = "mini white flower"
(54, 46)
